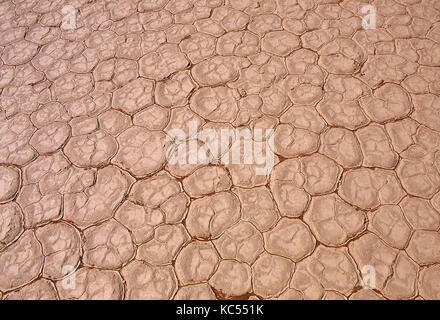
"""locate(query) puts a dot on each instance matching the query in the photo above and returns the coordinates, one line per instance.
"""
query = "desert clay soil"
(86, 190)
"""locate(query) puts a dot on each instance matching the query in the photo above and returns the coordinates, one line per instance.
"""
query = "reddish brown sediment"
(87, 189)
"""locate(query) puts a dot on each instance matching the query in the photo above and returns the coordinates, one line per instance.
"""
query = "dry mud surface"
(90, 208)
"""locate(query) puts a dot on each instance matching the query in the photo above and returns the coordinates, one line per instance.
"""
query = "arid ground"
(91, 207)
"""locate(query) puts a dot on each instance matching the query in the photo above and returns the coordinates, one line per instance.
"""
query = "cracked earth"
(86, 190)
